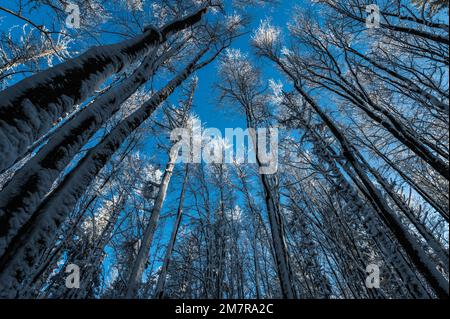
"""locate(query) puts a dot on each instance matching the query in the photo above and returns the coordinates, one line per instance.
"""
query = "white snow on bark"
(39, 232)
(21, 196)
(29, 108)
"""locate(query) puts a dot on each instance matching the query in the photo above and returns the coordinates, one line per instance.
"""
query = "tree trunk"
(159, 293)
(25, 191)
(139, 264)
(414, 250)
(38, 233)
(29, 108)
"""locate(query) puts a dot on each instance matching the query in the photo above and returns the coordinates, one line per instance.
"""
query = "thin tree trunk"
(414, 250)
(159, 292)
(139, 264)
(38, 233)
(272, 201)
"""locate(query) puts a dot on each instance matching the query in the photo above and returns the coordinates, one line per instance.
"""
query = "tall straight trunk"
(256, 266)
(25, 191)
(141, 260)
(343, 221)
(218, 242)
(185, 282)
(443, 211)
(319, 281)
(159, 292)
(258, 224)
(413, 249)
(439, 250)
(29, 108)
(282, 258)
(272, 201)
(419, 146)
(39, 232)
(255, 211)
(370, 220)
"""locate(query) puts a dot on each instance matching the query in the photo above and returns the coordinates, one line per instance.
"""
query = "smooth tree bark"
(160, 285)
(240, 84)
(138, 267)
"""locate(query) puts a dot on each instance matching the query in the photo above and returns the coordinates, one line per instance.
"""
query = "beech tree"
(117, 163)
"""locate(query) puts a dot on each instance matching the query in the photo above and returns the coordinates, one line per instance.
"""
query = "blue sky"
(205, 101)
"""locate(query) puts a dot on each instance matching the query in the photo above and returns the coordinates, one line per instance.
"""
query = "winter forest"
(224, 149)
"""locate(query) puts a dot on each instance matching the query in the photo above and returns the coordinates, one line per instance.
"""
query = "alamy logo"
(373, 19)
(373, 279)
(73, 279)
(196, 144)
(73, 19)
(135, 5)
